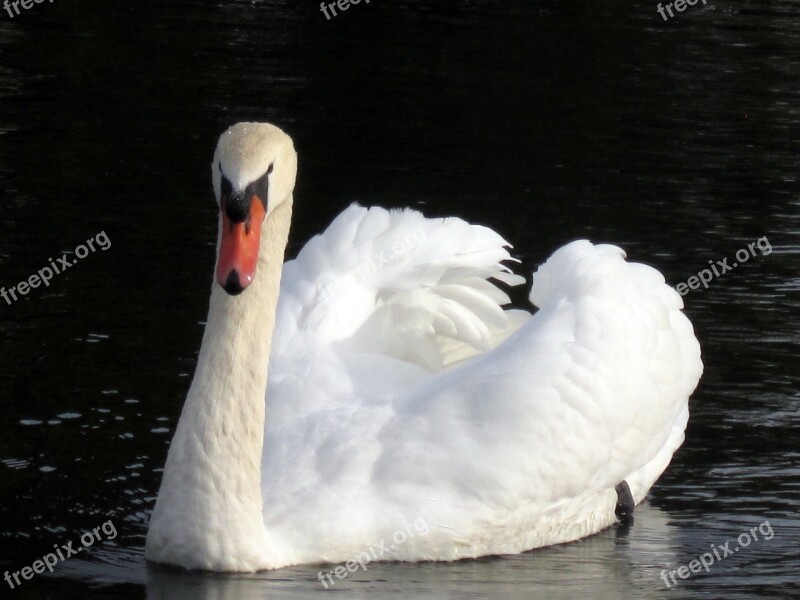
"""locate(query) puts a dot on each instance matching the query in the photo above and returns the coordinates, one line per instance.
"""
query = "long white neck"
(209, 510)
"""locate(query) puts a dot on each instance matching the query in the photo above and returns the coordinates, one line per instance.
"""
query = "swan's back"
(400, 392)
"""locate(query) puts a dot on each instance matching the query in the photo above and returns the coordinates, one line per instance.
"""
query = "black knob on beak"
(233, 285)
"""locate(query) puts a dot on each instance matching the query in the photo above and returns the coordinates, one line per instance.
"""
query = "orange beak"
(238, 250)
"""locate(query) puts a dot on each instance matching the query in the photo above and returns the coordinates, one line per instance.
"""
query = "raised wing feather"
(397, 284)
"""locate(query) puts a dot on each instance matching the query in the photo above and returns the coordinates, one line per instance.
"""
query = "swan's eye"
(271, 168)
(260, 188)
(226, 188)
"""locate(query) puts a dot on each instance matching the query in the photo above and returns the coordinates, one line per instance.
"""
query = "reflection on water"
(677, 141)
(617, 561)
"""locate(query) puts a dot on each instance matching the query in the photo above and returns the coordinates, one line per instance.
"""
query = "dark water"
(678, 141)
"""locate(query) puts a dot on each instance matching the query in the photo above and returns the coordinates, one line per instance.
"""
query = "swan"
(408, 415)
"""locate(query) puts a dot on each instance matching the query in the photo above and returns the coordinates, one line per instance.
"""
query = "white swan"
(401, 397)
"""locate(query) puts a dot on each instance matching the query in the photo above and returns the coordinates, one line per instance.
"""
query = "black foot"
(624, 508)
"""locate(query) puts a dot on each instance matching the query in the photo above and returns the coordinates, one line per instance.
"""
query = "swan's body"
(402, 398)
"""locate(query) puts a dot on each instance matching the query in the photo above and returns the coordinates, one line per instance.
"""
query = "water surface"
(677, 141)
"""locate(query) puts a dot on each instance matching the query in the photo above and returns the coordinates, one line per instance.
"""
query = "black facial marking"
(237, 205)
(226, 188)
(260, 188)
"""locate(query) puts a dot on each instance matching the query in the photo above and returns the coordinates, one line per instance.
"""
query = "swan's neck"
(209, 509)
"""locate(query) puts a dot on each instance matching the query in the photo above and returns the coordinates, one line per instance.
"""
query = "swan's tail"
(626, 315)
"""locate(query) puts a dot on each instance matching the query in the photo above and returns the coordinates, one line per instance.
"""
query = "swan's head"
(254, 171)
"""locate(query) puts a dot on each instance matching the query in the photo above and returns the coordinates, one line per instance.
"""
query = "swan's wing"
(391, 287)
(516, 447)
(591, 390)
(398, 284)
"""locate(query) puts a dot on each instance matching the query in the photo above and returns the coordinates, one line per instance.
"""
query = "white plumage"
(403, 397)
